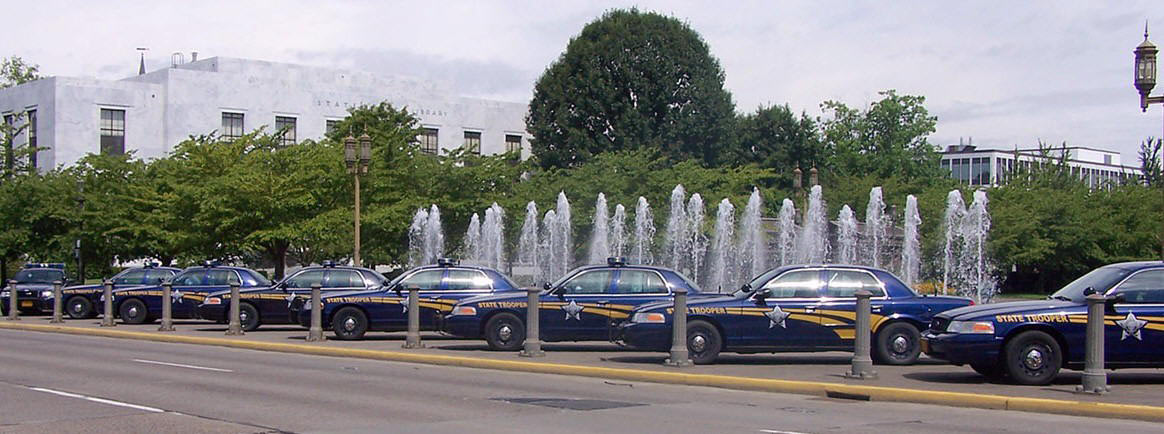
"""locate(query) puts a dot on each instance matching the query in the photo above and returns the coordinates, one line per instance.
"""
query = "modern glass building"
(992, 167)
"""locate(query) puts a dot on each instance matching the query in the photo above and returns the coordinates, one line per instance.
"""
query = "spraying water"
(600, 235)
(493, 238)
(813, 242)
(753, 247)
(472, 242)
(618, 231)
(722, 258)
(955, 213)
(876, 227)
(644, 235)
(416, 238)
(975, 231)
(675, 240)
(911, 245)
(697, 240)
(787, 242)
(434, 236)
(563, 234)
(527, 243)
(551, 266)
(847, 236)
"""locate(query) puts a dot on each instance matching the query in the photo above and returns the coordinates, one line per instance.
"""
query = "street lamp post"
(357, 165)
(1145, 80)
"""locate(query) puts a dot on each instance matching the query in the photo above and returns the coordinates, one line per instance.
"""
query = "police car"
(352, 314)
(584, 305)
(796, 308)
(82, 301)
(34, 288)
(280, 304)
(1030, 341)
(143, 304)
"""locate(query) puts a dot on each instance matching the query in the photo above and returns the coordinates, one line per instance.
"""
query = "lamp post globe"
(365, 151)
(1145, 69)
(350, 151)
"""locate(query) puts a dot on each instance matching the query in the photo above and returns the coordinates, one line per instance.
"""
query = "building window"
(8, 138)
(112, 132)
(428, 141)
(473, 142)
(330, 126)
(32, 151)
(285, 127)
(513, 143)
(232, 125)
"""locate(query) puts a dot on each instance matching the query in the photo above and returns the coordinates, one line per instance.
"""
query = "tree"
(1150, 160)
(14, 71)
(631, 80)
(773, 137)
(886, 139)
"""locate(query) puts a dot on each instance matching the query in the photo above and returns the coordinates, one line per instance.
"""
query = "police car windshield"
(562, 279)
(758, 281)
(39, 276)
(1099, 279)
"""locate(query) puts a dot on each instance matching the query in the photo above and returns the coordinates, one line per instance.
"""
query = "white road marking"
(99, 400)
(179, 365)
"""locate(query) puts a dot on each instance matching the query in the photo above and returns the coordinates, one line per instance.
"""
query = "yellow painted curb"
(873, 393)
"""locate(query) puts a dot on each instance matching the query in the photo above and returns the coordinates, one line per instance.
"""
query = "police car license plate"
(26, 303)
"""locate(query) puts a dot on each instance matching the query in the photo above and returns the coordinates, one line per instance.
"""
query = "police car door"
(395, 315)
(298, 289)
(780, 315)
(576, 314)
(185, 291)
(459, 283)
(632, 288)
(1138, 332)
(838, 307)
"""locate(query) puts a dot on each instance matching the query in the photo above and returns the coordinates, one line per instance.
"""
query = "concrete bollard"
(532, 347)
(13, 306)
(412, 338)
(679, 356)
(57, 303)
(315, 332)
(862, 368)
(235, 326)
(1094, 375)
(167, 307)
(107, 318)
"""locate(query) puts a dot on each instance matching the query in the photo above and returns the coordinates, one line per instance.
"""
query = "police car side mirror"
(761, 295)
(546, 286)
(1088, 291)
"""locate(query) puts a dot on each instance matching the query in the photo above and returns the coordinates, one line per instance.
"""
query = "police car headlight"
(464, 310)
(212, 300)
(649, 317)
(46, 293)
(971, 327)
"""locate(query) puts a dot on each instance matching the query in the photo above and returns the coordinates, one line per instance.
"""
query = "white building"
(150, 113)
(991, 167)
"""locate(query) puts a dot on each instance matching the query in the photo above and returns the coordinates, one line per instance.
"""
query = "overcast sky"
(1005, 73)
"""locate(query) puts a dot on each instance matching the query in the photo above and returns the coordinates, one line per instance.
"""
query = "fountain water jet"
(847, 236)
(722, 258)
(618, 231)
(911, 244)
(600, 235)
(492, 242)
(527, 243)
(472, 242)
(675, 240)
(787, 241)
(813, 243)
(644, 235)
(753, 247)
(955, 213)
(978, 269)
(876, 227)
(696, 239)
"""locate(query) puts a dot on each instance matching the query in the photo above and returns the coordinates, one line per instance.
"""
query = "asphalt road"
(65, 383)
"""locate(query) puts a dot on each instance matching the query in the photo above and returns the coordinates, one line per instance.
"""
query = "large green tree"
(15, 71)
(630, 80)
(889, 138)
(776, 138)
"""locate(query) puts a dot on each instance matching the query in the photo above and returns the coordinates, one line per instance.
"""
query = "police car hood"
(700, 300)
(983, 310)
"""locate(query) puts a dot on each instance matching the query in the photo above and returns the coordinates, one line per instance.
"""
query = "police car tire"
(493, 332)
(84, 312)
(357, 332)
(1017, 349)
(883, 352)
(713, 342)
(253, 316)
(142, 315)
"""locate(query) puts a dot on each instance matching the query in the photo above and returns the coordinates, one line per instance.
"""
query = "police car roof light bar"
(327, 264)
(447, 262)
(616, 261)
(56, 265)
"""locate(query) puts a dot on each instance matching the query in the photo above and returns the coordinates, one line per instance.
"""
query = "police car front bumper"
(29, 304)
(961, 349)
(644, 336)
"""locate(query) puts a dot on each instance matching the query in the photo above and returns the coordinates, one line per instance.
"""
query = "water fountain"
(876, 227)
(675, 239)
(492, 242)
(426, 240)
(911, 244)
(527, 243)
(978, 275)
(697, 240)
(787, 221)
(600, 234)
(813, 241)
(550, 265)
(471, 245)
(644, 236)
(847, 236)
(955, 213)
(618, 231)
(560, 238)
(753, 245)
(416, 238)
(722, 258)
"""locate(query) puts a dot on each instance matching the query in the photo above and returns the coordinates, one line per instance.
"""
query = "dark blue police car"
(144, 303)
(351, 314)
(280, 304)
(796, 308)
(584, 305)
(34, 288)
(80, 301)
(1030, 341)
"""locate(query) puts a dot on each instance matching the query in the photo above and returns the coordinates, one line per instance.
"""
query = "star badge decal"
(777, 316)
(573, 310)
(1131, 326)
(177, 296)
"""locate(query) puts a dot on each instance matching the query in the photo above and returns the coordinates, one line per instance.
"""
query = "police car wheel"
(133, 311)
(349, 324)
(703, 342)
(1033, 358)
(897, 344)
(248, 317)
(79, 307)
(505, 332)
